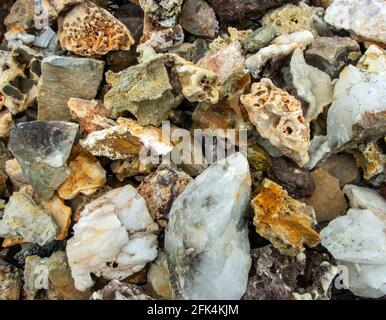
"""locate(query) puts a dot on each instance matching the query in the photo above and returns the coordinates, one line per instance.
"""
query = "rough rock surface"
(10, 282)
(206, 239)
(116, 290)
(164, 12)
(260, 38)
(371, 159)
(158, 278)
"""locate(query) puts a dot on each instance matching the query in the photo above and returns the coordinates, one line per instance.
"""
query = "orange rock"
(12, 241)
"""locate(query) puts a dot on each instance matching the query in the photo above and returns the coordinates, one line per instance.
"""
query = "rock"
(328, 199)
(15, 174)
(312, 85)
(162, 40)
(370, 158)
(116, 290)
(4, 157)
(206, 240)
(32, 249)
(50, 278)
(307, 276)
(278, 117)
(86, 177)
(158, 278)
(354, 16)
(164, 12)
(5, 123)
(374, 60)
(64, 78)
(332, 54)
(25, 218)
(192, 51)
(198, 18)
(114, 238)
(298, 182)
(322, 3)
(126, 139)
(160, 189)
(130, 167)
(42, 148)
(88, 30)
(231, 10)
(144, 90)
(284, 221)
(90, 114)
(259, 162)
(10, 282)
(260, 38)
(343, 167)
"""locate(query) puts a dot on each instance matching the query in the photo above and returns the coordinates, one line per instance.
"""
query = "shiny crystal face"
(192, 150)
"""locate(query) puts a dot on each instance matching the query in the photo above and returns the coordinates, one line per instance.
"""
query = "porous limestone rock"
(88, 30)
(165, 12)
(158, 278)
(278, 117)
(260, 38)
(160, 189)
(116, 290)
(64, 78)
(50, 278)
(15, 174)
(42, 148)
(370, 158)
(284, 221)
(10, 282)
(206, 240)
(365, 18)
(114, 238)
(126, 139)
(23, 217)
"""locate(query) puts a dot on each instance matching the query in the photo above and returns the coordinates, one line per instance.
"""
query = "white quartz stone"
(206, 240)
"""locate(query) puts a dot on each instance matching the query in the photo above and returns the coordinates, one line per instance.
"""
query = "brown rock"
(343, 167)
(10, 282)
(130, 167)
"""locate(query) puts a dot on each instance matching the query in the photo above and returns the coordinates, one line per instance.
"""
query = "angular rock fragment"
(260, 38)
(130, 167)
(158, 278)
(114, 238)
(64, 78)
(10, 282)
(4, 157)
(278, 117)
(206, 240)
(259, 162)
(343, 167)
(5, 123)
(116, 290)
(88, 30)
(286, 222)
(164, 12)
(42, 148)
(162, 40)
(374, 60)
(15, 174)
(370, 158)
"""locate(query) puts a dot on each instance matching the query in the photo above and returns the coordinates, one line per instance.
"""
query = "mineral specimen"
(10, 282)
(64, 78)
(370, 158)
(5, 123)
(164, 12)
(278, 117)
(131, 166)
(116, 290)
(114, 238)
(88, 30)
(343, 167)
(165, 39)
(260, 38)
(42, 148)
(158, 278)
(15, 174)
(374, 60)
(286, 222)
(206, 240)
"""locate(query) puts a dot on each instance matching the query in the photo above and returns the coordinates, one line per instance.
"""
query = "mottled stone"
(286, 222)
(162, 40)
(343, 167)
(42, 148)
(260, 38)
(64, 78)
(374, 60)
(158, 278)
(259, 162)
(116, 290)
(164, 12)
(192, 51)
(5, 123)
(370, 158)
(130, 167)
(10, 282)
(15, 174)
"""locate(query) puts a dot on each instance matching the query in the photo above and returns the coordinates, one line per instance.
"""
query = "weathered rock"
(374, 60)
(259, 162)
(164, 12)
(278, 117)
(10, 282)
(343, 167)
(371, 159)
(64, 78)
(130, 167)
(160, 189)
(286, 222)
(52, 276)
(332, 54)
(192, 51)
(32, 249)
(260, 38)
(4, 157)
(15, 174)
(206, 240)
(116, 290)
(328, 199)
(158, 278)
(42, 148)
(162, 40)
(355, 16)
(88, 30)
(5, 123)
(298, 182)
(114, 238)
(25, 218)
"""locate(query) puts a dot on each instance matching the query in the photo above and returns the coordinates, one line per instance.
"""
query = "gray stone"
(116, 290)
(259, 38)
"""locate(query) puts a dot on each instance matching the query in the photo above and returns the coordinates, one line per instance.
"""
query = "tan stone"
(15, 174)
(343, 167)
(130, 167)
(5, 123)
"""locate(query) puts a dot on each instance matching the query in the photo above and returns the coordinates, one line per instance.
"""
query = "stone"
(370, 158)
(60, 285)
(90, 114)
(4, 157)
(328, 199)
(198, 18)
(206, 240)
(374, 60)
(143, 89)
(115, 290)
(15, 174)
(259, 162)
(32, 249)
(343, 167)
(25, 218)
(260, 38)
(10, 282)
(132, 166)
(322, 3)
(86, 177)
(354, 16)
(160, 189)
(126, 139)
(308, 276)
(114, 238)
(88, 30)
(192, 51)
(42, 148)
(162, 40)
(164, 12)
(6, 123)
(298, 182)
(158, 278)
(64, 78)
(312, 85)
(284, 221)
(278, 117)
(332, 54)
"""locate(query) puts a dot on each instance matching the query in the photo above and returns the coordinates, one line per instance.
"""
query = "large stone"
(10, 282)
(343, 167)
(260, 38)
(206, 240)
(64, 78)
